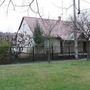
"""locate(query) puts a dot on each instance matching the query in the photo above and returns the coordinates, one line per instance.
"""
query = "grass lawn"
(60, 75)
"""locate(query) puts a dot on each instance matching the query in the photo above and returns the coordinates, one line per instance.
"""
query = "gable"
(24, 28)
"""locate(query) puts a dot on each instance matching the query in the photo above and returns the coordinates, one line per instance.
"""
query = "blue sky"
(9, 22)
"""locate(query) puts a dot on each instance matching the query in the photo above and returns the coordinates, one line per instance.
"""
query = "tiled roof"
(62, 29)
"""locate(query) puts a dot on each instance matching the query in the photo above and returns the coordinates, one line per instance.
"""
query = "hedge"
(4, 53)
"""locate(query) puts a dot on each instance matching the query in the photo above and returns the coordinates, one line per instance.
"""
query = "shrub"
(4, 53)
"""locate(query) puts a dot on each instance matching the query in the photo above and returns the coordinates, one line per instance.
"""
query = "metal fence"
(27, 54)
(41, 54)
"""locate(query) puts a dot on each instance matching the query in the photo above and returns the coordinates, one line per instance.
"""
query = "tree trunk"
(76, 49)
(88, 53)
(49, 52)
(75, 32)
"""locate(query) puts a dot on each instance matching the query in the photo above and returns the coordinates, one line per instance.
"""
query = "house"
(60, 32)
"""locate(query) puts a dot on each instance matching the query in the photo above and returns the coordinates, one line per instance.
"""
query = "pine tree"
(38, 35)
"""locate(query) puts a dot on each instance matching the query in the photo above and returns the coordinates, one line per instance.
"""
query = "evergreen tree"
(38, 35)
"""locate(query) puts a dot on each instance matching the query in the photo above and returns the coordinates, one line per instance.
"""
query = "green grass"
(4, 43)
(61, 75)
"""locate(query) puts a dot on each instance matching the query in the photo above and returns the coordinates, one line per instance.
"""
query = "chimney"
(59, 18)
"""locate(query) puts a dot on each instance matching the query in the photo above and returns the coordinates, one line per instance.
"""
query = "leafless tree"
(83, 26)
(49, 27)
(28, 6)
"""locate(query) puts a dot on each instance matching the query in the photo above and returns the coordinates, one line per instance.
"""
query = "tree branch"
(2, 3)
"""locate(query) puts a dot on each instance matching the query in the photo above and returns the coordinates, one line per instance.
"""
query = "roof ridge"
(45, 19)
(39, 18)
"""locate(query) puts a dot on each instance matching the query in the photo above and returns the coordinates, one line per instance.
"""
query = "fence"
(27, 54)
(42, 53)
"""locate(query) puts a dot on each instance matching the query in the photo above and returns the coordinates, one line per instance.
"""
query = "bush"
(4, 53)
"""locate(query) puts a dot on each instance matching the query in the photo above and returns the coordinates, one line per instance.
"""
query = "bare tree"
(49, 27)
(83, 26)
(22, 42)
(28, 5)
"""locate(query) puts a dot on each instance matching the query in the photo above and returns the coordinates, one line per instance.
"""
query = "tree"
(83, 26)
(49, 25)
(27, 4)
(38, 35)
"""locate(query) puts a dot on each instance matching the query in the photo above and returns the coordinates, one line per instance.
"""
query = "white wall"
(55, 43)
(27, 40)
